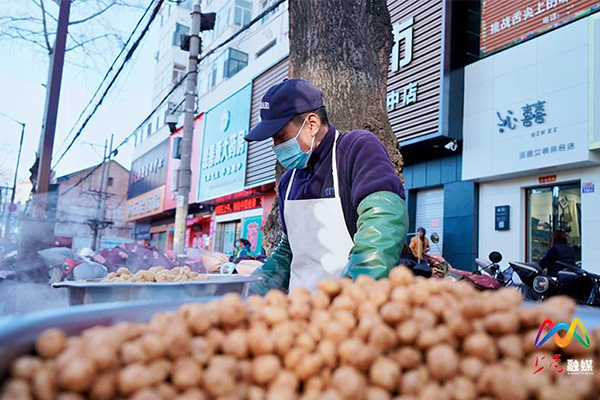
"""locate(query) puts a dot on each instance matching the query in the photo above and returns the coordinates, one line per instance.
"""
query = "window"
(110, 181)
(157, 122)
(266, 48)
(149, 130)
(178, 72)
(242, 14)
(264, 4)
(179, 31)
(222, 19)
(236, 61)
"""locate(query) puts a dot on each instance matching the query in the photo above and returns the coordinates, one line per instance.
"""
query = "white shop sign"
(527, 107)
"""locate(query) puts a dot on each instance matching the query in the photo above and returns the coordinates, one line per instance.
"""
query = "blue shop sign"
(224, 150)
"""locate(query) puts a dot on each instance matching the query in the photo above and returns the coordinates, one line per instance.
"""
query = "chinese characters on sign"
(547, 150)
(236, 206)
(526, 14)
(224, 150)
(403, 33)
(147, 204)
(409, 96)
(553, 364)
(535, 112)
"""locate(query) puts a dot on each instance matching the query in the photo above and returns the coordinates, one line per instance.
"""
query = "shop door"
(226, 235)
(430, 215)
(551, 208)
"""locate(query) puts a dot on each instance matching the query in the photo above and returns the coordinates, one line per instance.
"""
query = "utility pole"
(183, 187)
(104, 194)
(51, 110)
(14, 187)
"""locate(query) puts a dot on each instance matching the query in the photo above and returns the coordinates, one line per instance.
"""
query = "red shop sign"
(547, 179)
(236, 206)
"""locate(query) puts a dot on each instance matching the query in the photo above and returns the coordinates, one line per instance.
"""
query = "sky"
(23, 72)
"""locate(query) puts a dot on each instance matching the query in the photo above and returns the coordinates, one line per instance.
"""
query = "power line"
(106, 75)
(127, 58)
(179, 83)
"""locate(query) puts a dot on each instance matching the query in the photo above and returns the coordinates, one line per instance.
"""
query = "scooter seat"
(529, 266)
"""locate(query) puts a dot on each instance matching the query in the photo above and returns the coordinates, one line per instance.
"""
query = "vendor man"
(341, 203)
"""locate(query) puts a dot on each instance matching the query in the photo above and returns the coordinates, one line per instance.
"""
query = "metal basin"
(18, 333)
(90, 292)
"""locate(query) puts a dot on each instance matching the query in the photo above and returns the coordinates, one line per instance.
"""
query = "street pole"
(14, 187)
(104, 193)
(51, 110)
(96, 221)
(183, 187)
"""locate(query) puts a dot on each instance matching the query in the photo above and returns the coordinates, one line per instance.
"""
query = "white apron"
(318, 235)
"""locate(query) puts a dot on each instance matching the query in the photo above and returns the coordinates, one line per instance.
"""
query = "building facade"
(531, 135)
(78, 202)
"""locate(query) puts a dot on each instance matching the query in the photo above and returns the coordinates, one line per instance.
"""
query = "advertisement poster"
(251, 231)
(224, 149)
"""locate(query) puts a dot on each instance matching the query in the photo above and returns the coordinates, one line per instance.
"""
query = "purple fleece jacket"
(364, 167)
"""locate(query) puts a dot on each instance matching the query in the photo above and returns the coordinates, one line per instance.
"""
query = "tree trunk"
(343, 47)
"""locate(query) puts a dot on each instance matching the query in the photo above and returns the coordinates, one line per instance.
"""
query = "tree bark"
(343, 47)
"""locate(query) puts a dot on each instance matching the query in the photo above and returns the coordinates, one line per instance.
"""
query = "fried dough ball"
(502, 322)
(78, 375)
(235, 344)
(350, 383)
(442, 361)
(218, 381)
(104, 387)
(265, 368)
(51, 342)
(133, 377)
(480, 345)
(25, 367)
(385, 373)
(44, 384)
(186, 373)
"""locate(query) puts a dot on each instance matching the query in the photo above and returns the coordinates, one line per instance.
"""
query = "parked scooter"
(572, 281)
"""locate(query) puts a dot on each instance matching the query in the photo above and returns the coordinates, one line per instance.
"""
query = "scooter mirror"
(495, 257)
(435, 238)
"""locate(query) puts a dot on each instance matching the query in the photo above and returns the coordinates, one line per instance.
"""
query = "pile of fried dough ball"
(401, 338)
(155, 274)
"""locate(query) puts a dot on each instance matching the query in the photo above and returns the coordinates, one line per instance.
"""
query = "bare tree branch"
(92, 16)
(49, 14)
(48, 46)
(84, 42)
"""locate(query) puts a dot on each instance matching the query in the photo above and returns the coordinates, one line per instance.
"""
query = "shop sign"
(502, 218)
(415, 69)
(526, 120)
(252, 231)
(505, 23)
(145, 205)
(237, 206)
(588, 187)
(148, 171)
(224, 149)
(547, 179)
(403, 37)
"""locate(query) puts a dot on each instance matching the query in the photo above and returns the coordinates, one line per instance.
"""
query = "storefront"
(530, 140)
(146, 195)
(238, 219)
(424, 102)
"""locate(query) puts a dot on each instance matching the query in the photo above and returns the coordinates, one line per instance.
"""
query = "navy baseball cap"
(281, 103)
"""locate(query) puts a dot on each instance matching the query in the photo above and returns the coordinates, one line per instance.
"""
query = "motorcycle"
(572, 281)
